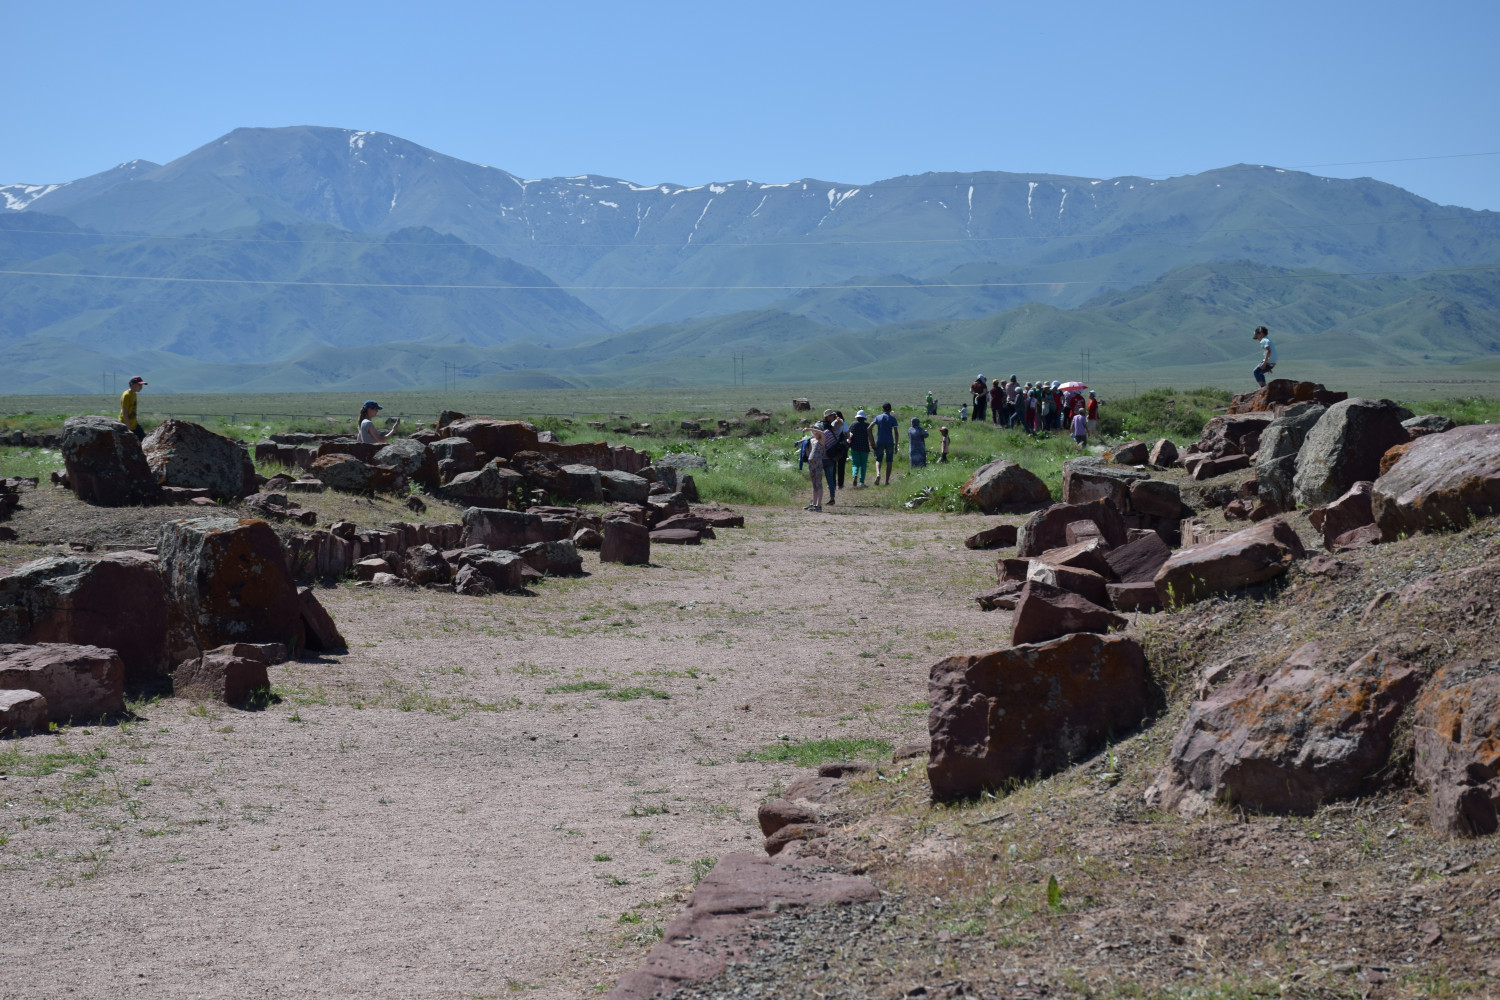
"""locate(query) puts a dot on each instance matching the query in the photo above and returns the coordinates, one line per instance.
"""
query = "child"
(943, 455)
(963, 412)
(1080, 429)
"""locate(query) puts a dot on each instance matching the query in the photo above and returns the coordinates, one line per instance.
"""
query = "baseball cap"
(137, 378)
(370, 404)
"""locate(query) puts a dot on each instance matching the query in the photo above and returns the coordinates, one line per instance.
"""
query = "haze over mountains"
(328, 258)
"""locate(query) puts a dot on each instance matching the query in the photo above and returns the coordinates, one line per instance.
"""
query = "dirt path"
(487, 796)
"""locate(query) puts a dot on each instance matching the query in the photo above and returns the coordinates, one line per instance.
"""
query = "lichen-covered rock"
(1441, 483)
(1344, 447)
(1276, 461)
(623, 487)
(1279, 394)
(413, 459)
(228, 580)
(1290, 741)
(1004, 485)
(1350, 511)
(491, 486)
(186, 454)
(343, 472)
(1026, 711)
(1457, 737)
(105, 464)
(1088, 479)
(115, 601)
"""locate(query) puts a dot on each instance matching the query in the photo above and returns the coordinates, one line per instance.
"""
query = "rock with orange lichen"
(1442, 482)
(1289, 741)
(1457, 737)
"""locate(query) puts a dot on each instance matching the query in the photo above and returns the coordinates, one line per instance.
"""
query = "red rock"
(412, 459)
(185, 454)
(1279, 393)
(1004, 485)
(82, 683)
(323, 635)
(993, 537)
(1078, 532)
(553, 558)
(220, 675)
(1233, 562)
(778, 813)
(1012, 714)
(1457, 735)
(105, 464)
(116, 601)
(22, 711)
(1087, 479)
(1443, 482)
(1156, 498)
(1091, 555)
(1003, 597)
(1237, 510)
(779, 840)
(1210, 468)
(1132, 453)
(1012, 569)
(715, 928)
(720, 517)
(1232, 434)
(1288, 742)
(425, 566)
(1138, 595)
(504, 570)
(496, 438)
(1047, 529)
(1045, 612)
(1163, 454)
(626, 542)
(1083, 582)
(366, 569)
(228, 580)
(1139, 560)
(588, 538)
(1356, 538)
(1394, 454)
(501, 529)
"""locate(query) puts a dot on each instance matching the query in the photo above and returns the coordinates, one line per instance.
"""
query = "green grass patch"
(632, 693)
(810, 753)
(37, 765)
(577, 687)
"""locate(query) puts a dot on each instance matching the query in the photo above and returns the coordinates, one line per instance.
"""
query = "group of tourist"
(834, 444)
(1032, 406)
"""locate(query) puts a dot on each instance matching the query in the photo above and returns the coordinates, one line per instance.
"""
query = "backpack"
(839, 448)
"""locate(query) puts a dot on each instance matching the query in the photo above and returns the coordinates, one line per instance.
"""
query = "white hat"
(859, 414)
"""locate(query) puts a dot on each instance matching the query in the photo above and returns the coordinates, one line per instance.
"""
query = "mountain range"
(314, 257)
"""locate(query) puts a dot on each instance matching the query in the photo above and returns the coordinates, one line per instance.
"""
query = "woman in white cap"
(859, 447)
(367, 432)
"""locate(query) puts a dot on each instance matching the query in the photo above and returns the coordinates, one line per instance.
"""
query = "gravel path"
(486, 796)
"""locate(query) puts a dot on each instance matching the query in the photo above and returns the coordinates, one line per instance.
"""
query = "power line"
(717, 288)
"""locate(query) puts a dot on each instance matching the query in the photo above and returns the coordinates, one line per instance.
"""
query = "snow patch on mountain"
(19, 196)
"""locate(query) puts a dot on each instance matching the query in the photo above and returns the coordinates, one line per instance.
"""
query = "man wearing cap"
(127, 407)
(367, 432)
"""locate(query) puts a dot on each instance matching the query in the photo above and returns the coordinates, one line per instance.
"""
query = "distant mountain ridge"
(310, 257)
(652, 252)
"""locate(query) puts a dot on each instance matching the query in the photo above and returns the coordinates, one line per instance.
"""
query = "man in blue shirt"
(885, 443)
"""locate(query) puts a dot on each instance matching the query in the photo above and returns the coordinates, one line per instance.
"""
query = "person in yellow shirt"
(127, 407)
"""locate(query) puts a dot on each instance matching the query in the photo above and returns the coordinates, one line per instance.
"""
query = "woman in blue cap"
(367, 432)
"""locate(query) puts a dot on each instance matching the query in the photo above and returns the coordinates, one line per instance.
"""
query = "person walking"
(817, 450)
(830, 450)
(963, 411)
(859, 447)
(1268, 357)
(1080, 429)
(1093, 413)
(840, 449)
(885, 443)
(916, 436)
(367, 432)
(979, 391)
(128, 407)
(943, 455)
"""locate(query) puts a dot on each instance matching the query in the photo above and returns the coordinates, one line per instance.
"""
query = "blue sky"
(773, 91)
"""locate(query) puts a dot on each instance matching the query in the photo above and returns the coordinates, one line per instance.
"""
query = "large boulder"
(625, 542)
(1289, 741)
(1230, 563)
(502, 570)
(227, 579)
(1132, 453)
(584, 483)
(79, 682)
(1345, 446)
(624, 487)
(1442, 482)
(460, 452)
(491, 486)
(185, 454)
(1233, 434)
(1276, 462)
(1015, 713)
(343, 472)
(424, 564)
(105, 463)
(553, 558)
(1458, 747)
(495, 438)
(116, 601)
(1045, 611)
(1088, 479)
(680, 460)
(501, 529)
(413, 459)
(1139, 560)
(1157, 498)
(1048, 529)
(1004, 485)
(231, 674)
